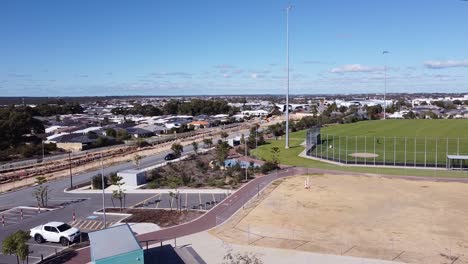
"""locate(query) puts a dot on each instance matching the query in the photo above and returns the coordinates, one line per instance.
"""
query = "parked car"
(170, 156)
(58, 232)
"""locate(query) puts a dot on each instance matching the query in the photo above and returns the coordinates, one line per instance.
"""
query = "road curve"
(212, 218)
(232, 204)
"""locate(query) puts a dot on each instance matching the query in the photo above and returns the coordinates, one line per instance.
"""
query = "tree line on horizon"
(178, 107)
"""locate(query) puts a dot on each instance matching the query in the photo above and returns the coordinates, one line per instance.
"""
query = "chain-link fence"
(427, 152)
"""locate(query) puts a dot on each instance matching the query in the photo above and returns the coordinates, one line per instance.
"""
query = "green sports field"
(395, 142)
(388, 128)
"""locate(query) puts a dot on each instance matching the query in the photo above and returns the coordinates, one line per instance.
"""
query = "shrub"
(96, 182)
(268, 166)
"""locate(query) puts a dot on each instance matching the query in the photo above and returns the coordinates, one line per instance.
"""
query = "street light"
(385, 84)
(287, 69)
(103, 196)
(70, 167)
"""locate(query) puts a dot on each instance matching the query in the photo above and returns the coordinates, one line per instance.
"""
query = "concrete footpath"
(212, 250)
(135, 189)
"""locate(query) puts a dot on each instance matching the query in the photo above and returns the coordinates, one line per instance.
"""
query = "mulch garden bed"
(161, 217)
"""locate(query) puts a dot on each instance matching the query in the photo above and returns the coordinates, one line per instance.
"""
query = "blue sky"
(70, 48)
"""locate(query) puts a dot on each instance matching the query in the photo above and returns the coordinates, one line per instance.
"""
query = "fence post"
(425, 151)
(365, 149)
(405, 151)
(339, 149)
(316, 146)
(458, 146)
(446, 154)
(374, 151)
(394, 151)
(321, 149)
(436, 154)
(415, 149)
(355, 147)
(384, 151)
(327, 147)
(346, 153)
(333, 147)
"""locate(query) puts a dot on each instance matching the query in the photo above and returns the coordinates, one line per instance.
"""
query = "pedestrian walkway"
(90, 225)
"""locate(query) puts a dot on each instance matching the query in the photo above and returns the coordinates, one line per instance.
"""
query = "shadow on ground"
(164, 254)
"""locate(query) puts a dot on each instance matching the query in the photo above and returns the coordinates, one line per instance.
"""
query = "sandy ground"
(373, 217)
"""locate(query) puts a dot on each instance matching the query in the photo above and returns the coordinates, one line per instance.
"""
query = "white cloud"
(355, 68)
(254, 75)
(445, 64)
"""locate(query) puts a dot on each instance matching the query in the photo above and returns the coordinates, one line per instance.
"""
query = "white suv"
(55, 232)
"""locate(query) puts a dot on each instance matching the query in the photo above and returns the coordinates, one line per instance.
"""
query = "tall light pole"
(103, 196)
(70, 168)
(287, 69)
(385, 89)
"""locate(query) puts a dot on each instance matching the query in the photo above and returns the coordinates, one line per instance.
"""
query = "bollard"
(21, 214)
(74, 216)
(42, 258)
(39, 209)
(146, 245)
(3, 220)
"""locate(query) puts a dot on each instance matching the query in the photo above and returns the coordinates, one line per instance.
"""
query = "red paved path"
(230, 205)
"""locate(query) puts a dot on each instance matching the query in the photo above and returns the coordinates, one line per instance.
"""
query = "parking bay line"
(94, 225)
(89, 223)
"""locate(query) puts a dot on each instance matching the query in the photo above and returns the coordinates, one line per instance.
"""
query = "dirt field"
(391, 219)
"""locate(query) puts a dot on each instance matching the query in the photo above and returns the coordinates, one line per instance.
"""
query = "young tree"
(275, 151)
(224, 135)
(41, 192)
(136, 160)
(208, 142)
(222, 151)
(175, 195)
(177, 149)
(118, 194)
(15, 244)
(195, 147)
(242, 139)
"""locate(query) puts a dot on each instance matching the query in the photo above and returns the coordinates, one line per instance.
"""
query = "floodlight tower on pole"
(287, 69)
(385, 89)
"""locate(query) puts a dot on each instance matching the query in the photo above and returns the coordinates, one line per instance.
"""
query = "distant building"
(137, 132)
(199, 124)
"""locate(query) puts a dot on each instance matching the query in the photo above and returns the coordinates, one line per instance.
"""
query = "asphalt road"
(82, 204)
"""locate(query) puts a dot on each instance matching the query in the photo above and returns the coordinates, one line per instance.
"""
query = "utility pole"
(70, 167)
(103, 196)
(287, 69)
